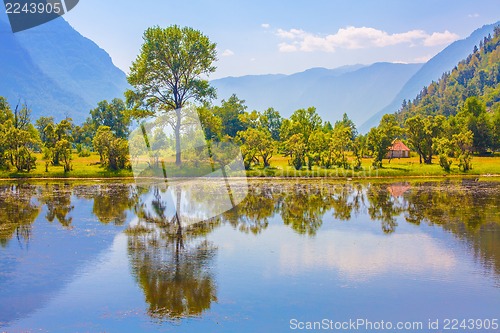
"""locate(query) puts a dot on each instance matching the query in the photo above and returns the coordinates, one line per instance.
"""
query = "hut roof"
(399, 145)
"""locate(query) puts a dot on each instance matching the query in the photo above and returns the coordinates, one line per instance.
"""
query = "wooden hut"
(398, 150)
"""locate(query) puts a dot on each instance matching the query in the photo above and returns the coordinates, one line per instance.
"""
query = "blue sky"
(275, 36)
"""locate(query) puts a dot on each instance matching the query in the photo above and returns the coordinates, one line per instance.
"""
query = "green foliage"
(496, 127)
(444, 147)
(41, 123)
(358, 149)
(303, 122)
(82, 150)
(112, 115)
(349, 124)
(455, 117)
(319, 148)
(212, 124)
(272, 120)
(473, 117)
(421, 133)
(18, 137)
(463, 143)
(230, 113)
(259, 144)
(113, 151)
(341, 142)
(296, 148)
(63, 150)
(53, 135)
(381, 138)
(83, 134)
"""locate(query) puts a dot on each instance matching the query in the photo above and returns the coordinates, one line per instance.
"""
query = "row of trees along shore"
(451, 119)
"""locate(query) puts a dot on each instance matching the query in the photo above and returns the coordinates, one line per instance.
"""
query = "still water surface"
(103, 258)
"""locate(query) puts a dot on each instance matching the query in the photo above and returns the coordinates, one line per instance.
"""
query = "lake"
(421, 256)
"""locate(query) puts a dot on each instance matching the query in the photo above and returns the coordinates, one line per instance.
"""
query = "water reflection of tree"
(468, 210)
(17, 212)
(110, 201)
(252, 215)
(303, 207)
(383, 207)
(172, 263)
(347, 199)
(57, 198)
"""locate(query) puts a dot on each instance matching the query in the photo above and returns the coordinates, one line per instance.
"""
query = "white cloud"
(285, 47)
(440, 38)
(358, 38)
(227, 53)
(291, 34)
(475, 15)
(265, 25)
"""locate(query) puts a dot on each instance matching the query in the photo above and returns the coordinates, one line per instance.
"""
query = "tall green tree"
(346, 122)
(211, 123)
(257, 138)
(422, 132)
(6, 119)
(463, 143)
(169, 73)
(474, 118)
(340, 143)
(41, 123)
(111, 114)
(319, 148)
(295, 147)
(303, 122)
(230, 113)
(54, 134)
(19, 137)
(113, 151)
(259, 144)
(272, 120)
(381, 138)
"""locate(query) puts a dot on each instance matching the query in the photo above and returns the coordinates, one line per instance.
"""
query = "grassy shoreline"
(88, 168)
(489, 177)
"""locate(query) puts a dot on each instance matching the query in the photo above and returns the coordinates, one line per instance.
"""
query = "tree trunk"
(266, 161)
(178, 158)
(428, 159)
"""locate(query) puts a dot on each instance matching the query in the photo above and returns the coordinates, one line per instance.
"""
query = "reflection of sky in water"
(347, 270)
(362, 255)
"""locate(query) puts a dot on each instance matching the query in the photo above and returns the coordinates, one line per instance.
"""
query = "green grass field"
(83, 167)
(89, 167)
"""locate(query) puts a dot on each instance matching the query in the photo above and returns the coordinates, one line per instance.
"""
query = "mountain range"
(56, 71)
(356, 90)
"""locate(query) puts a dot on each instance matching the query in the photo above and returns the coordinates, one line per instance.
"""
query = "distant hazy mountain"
(443, 62)
(56, 70)
(360, 91)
